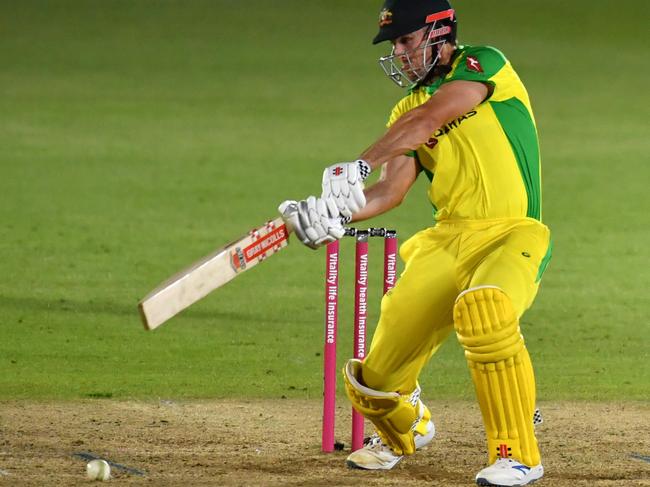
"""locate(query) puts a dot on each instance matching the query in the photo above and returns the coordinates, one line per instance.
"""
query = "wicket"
(360, 320)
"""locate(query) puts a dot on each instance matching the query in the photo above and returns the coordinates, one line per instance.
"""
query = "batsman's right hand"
(343, 183)
(315, 221)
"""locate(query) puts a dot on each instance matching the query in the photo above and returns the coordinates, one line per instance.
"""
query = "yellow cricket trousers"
(441, 262)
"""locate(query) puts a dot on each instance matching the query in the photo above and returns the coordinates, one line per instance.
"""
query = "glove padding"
(315, 221)
(343, 183)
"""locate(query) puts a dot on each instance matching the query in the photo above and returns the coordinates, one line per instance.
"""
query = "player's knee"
(396, 417)
(486, 325)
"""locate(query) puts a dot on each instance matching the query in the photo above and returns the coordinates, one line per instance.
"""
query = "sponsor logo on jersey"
(385, 17)
(445, 129)
(473, 64)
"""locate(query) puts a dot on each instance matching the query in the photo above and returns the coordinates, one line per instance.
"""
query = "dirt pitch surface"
(277, 443)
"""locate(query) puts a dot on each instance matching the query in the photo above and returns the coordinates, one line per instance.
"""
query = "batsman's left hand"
(343, 183)
(315, 221)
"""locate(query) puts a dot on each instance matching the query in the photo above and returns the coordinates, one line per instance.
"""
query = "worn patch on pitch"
(644, 458)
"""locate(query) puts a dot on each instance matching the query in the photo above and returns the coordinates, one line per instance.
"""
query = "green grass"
(138, 136)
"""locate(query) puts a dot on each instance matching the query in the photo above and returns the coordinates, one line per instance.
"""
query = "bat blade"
(211, 272)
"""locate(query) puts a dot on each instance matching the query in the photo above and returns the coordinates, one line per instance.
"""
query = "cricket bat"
(213, 271)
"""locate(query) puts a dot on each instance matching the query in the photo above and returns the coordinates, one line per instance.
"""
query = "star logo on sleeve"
(473, 64)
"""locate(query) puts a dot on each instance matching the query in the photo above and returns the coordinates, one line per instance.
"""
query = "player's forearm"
(379, 200)
(415, 127)
(407, 134)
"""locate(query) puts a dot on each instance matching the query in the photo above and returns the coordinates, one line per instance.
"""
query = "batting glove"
(315, 221)
(343, 183)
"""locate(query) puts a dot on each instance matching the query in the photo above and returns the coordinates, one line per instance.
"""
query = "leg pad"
(396, 417)
(488, 329)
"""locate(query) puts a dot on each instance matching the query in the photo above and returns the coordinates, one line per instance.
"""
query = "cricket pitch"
(276, 443)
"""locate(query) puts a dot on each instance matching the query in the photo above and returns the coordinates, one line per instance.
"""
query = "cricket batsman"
(466, 122)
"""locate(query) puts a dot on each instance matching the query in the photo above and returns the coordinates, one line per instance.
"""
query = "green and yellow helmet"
(401, 17)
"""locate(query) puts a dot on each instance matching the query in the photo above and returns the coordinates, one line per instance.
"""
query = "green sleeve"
(477, 64)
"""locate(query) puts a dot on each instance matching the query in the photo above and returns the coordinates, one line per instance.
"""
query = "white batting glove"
(315, 221)
(343, 182)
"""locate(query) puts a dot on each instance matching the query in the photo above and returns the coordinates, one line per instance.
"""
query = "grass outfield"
(138, 136)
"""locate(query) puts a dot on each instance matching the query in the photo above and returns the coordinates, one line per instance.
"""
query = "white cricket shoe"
(377, 456)
(506, 472)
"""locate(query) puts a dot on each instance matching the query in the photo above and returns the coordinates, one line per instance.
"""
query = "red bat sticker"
(268, 243)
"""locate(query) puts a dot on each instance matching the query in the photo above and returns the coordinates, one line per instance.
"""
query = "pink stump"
(329, 353)
(360, 321)
(390, 260)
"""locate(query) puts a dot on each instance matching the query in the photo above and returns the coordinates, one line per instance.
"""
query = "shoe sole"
(424, 441)
(487, 483)
(359, 467)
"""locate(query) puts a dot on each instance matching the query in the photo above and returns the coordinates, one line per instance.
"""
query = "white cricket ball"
(98, 470)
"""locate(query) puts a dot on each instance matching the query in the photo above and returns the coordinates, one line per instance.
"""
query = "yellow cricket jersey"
(484, 164)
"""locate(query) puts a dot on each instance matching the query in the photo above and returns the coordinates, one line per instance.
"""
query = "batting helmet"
(400, 17)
